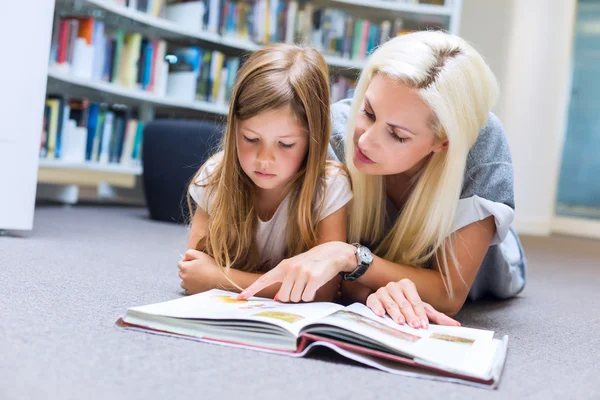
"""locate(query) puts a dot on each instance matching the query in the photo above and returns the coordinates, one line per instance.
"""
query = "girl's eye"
(286, 146)
(396, 137)
(247, 139)
(368, 114)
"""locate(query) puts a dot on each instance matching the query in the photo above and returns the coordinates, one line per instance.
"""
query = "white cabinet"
(25, 30)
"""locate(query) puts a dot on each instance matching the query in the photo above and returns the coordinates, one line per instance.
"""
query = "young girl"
(270, 193)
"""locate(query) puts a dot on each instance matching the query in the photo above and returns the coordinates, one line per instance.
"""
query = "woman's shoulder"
(339, 121)
(489, 171)
(491, 145)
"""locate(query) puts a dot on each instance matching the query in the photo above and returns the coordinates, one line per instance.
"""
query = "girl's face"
(271, 147)
(393, 132)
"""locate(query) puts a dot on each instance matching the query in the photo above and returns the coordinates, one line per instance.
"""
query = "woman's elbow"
(455, 304)
(452, 304)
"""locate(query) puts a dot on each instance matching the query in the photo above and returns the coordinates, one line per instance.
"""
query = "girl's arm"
(198, 228)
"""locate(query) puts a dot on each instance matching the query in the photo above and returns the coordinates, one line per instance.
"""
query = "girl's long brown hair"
(273, 77)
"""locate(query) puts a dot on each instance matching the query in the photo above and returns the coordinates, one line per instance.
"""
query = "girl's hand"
(301, 276)
(402, 303)
(197, 271)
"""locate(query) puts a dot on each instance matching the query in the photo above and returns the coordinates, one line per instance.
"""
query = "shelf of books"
(115, 65)
(92, 166)
(405, 7)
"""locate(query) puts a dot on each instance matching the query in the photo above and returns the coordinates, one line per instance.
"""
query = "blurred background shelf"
(106, 91)
(91, 166)
(117, 65)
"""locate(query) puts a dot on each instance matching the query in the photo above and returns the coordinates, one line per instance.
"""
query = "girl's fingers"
(299, 287)
(190, 254)
(391, 307)
(438, 317)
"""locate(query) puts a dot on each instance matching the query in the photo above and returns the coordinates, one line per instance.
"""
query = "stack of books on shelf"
(76, 130)
(335, 31)
(83, 47)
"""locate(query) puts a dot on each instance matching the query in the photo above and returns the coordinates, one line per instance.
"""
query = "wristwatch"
(364, 258)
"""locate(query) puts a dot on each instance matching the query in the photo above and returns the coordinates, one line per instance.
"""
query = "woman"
(433, 188)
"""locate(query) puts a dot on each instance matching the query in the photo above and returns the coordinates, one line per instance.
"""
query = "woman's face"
(393, 132)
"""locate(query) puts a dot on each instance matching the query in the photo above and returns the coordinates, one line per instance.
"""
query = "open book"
(456, 354)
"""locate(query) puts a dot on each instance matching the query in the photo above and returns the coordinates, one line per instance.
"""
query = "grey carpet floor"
(64, 284)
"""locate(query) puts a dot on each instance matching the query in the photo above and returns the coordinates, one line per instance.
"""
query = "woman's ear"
(440, 146)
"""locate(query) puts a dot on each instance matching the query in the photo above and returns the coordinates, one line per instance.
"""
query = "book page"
(456, 349)
(223, 305)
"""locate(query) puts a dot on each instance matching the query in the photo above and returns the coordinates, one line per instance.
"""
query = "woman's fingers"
(270, 278)
(299, 287)
(439, 318)
(403, 306)
(287, 285)
(410, 292)
(310, 291)
(391, 306)
(375, 305)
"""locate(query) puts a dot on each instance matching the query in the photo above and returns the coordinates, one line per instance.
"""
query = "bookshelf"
(148, 103)
(126, 95)
(91, 166)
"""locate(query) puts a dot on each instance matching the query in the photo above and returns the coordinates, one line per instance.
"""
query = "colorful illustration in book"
(352, 316)
(254, 306)
(228, 299)
(284, 316)
(450, 338)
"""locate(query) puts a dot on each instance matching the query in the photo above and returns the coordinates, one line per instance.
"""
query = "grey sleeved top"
(487, 190)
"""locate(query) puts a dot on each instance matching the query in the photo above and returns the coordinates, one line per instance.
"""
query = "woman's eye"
(396, 137)
(286, 146)
(249, 140)
(368, 114)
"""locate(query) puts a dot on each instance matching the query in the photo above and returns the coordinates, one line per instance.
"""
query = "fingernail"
(242, 295)
(414, 323)
(424, 323)
(276, 298)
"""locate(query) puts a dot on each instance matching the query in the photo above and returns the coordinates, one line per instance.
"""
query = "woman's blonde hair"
(273, 77)
(459, 87)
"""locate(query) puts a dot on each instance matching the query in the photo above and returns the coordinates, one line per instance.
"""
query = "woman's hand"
(197, 271)
(301, 276)
(402, 303)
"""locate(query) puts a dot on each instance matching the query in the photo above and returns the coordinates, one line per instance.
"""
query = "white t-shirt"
(271, 235)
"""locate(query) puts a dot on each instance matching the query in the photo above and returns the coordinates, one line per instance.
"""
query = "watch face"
(365, 255)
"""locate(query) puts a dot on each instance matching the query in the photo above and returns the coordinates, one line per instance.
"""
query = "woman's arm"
(470, 245)
(326, 261)
(330, 229)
